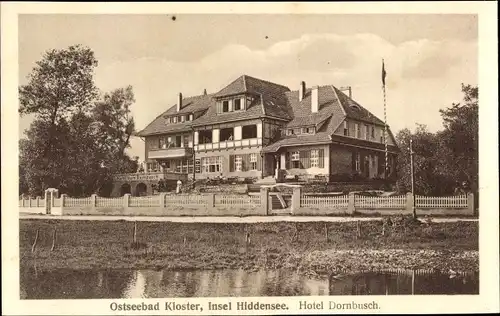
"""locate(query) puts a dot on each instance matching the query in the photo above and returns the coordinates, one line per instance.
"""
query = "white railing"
(457, 201)
(77, 202)
(185, 199)
(108, 202)
(144, 201)
(230, 144)
(371, 202)
(237, 200)
(338, 201)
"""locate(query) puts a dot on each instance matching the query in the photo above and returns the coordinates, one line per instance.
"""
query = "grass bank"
(310, 247)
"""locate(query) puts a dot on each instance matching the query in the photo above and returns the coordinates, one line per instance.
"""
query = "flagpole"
(385, 122)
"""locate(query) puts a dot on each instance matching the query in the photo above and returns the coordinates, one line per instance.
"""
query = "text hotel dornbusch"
(172, 306)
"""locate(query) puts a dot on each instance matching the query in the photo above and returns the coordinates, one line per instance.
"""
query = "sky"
(427, 57)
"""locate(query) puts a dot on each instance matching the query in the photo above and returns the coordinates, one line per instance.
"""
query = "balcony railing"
(176, 152)
(230, 144)
(150, 176)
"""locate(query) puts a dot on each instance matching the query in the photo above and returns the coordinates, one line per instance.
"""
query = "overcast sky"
(427, 57)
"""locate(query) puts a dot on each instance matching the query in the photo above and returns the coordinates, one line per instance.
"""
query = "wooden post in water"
(326, 233)
(413, 282)
(135, 232)
(33, 247)
(53, 240)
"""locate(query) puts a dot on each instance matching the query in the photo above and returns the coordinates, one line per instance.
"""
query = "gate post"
(296, 195)
(264, 200)
(48, 201)
(350, 206)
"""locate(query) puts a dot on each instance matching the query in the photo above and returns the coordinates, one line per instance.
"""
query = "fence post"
(93, 200)
(38, 201)
(29, 201)
(350, 205)
(161, 196)
(470, 203)
(210, 200)
(22, 200)
(63, 200)
(296, 195)
(264, 200)
(126, 200)
(409, 202)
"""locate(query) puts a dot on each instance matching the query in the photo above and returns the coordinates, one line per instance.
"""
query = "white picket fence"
(458, 201)
(237, 200)
(325, 201)
(108, 202)
(144, 201)
(371, 202)
(185, 199)
(77, 202)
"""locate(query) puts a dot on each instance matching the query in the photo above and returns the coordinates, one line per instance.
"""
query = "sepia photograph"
(247, 155)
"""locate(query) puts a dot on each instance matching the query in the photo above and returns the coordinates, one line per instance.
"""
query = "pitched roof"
(191, 104)
(356, 111)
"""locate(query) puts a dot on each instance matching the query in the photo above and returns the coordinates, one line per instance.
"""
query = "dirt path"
(225, 219)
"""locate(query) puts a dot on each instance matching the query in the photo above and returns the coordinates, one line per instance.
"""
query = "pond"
(80, 284)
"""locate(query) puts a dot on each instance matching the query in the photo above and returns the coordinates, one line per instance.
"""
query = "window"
(356, 130)
(188, 118)
(381, 139)
(153, 167)
(366, 131)
(253, 161)
(184, 166)
(311, 130)
(249, 131)
(211, 164)
(314, 158)
(162, 143)
(373, 131)
(183, 118)
(205, 137)
(225, 106)
(295, 158)
(174, 119)
(237, 104)
(238, 162)
(358, 162)
(296, 131)
(346, 129)
(304, 130)
(289, 132)
(226, 134)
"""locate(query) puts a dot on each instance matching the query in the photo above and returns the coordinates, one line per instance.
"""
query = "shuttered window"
(305, 159)
(245, 162)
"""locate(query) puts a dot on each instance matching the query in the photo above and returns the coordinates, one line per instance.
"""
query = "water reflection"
(79, 284)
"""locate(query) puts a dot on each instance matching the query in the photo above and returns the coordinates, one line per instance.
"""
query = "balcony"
(177, 152)
(230, 144)
(150, 176)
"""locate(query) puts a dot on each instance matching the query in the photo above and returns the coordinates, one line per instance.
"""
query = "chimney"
(179, 102)
(314, 99)
(348, 88)
(302, 90)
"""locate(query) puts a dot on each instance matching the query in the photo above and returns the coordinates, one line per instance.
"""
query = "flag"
(383, 73)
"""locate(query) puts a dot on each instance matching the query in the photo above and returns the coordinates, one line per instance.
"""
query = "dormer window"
(188, 118)
(346, 129)
(174, 119)
(183, 119)
(289, 132)
(237, 104)
(225, 106)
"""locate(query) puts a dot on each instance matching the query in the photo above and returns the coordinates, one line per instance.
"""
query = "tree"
(460, 139)
(77, 141)
(446, 159)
